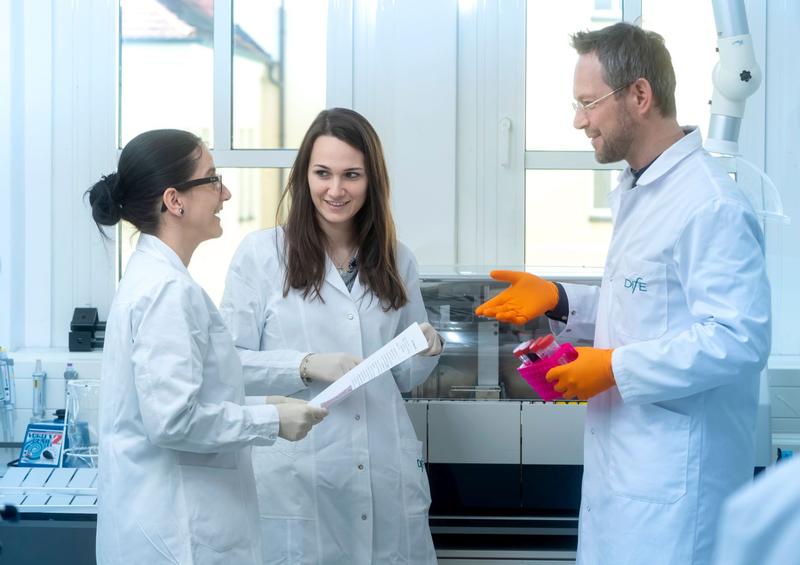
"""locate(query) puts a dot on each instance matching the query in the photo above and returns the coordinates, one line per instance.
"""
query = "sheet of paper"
(407, 344)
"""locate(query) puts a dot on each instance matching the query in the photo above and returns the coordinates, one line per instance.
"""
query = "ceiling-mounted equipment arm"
(736, 76)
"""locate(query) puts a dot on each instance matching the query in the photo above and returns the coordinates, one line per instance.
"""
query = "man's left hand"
(587, 376)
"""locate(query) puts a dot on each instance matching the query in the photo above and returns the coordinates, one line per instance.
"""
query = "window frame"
(339, 92)
(491, 221)
(55, 261)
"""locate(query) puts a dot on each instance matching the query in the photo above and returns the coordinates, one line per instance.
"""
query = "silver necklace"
(346, 265)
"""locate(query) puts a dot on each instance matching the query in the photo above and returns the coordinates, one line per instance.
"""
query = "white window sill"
(54, 355)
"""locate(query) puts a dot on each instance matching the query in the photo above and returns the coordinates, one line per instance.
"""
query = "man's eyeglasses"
(593, 104)
(216, 180)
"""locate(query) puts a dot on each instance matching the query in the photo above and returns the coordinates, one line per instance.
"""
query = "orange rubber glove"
(527, 298)
(587, 376)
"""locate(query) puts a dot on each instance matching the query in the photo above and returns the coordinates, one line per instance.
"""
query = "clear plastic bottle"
(12, 387)
(70, 374)
(38, 377)
(524, 354)
(545, 346)
(7, 396)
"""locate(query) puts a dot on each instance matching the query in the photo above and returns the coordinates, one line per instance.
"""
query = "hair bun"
(111, 181)
(103, 197)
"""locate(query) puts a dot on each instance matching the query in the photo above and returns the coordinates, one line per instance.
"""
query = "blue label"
(42, 445)
(637, 284)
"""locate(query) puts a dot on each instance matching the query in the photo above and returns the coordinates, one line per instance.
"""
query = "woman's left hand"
(434, 341)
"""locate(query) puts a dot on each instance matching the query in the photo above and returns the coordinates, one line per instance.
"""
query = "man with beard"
(680, 322)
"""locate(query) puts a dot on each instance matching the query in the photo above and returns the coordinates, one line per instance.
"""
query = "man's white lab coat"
(685, 304)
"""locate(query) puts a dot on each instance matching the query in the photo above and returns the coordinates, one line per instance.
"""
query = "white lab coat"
(685, 304)
(176, 483)
(355, 490)
(761, 523)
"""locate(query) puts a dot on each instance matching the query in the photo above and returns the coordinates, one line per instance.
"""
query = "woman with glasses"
(175, 479)
(307, 301)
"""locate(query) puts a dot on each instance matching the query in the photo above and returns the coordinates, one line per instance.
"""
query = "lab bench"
(57, 514)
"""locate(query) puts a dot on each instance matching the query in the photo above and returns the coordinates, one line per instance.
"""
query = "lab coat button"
(363, 516)
(349, 316)
(361, 467)
(592, 430)
(358, 416)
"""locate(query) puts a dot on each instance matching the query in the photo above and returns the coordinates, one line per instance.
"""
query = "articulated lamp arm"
(736, 76)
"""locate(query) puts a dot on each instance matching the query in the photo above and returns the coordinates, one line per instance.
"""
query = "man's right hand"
(327, 367)
(297, 418)
(527, 298)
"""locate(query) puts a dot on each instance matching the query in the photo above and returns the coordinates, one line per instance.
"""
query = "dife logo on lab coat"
(636, 284)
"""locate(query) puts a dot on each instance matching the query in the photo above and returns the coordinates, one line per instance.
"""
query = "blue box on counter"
(42, 445)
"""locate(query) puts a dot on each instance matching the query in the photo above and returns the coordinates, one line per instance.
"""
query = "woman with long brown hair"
(305, 302)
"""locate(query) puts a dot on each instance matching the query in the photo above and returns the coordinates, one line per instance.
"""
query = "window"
(472, 105)
(166, 67)
(555, 197)
(567, 221)
(247, 76)
(692, 45)
(548, 84)
(604, 182)
(567, 218)
(279, 70)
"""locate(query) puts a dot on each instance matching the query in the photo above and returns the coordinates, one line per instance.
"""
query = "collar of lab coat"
(153, 246)
(674, 154)
(333, 278)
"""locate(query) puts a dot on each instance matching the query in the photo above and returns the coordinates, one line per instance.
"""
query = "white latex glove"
(327, 367)
(283, 400)
(297, 417)
(434, 341)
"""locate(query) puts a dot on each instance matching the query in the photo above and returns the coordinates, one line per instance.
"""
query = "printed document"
(402, 347)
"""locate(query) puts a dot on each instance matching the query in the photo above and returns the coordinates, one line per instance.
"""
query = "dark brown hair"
(304, 241)
(149, 164)
(628, 53)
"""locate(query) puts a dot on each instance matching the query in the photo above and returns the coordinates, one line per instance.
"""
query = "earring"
(181, 211)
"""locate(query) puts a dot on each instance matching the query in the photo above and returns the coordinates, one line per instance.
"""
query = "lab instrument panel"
(478, 361)
(504, 467)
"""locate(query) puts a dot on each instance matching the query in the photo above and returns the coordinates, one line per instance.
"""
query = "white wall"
(55, 145)
(12, 311)
(404, 83)
(782, 149)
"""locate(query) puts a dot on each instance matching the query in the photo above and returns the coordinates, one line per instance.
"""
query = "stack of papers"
(407, 344)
